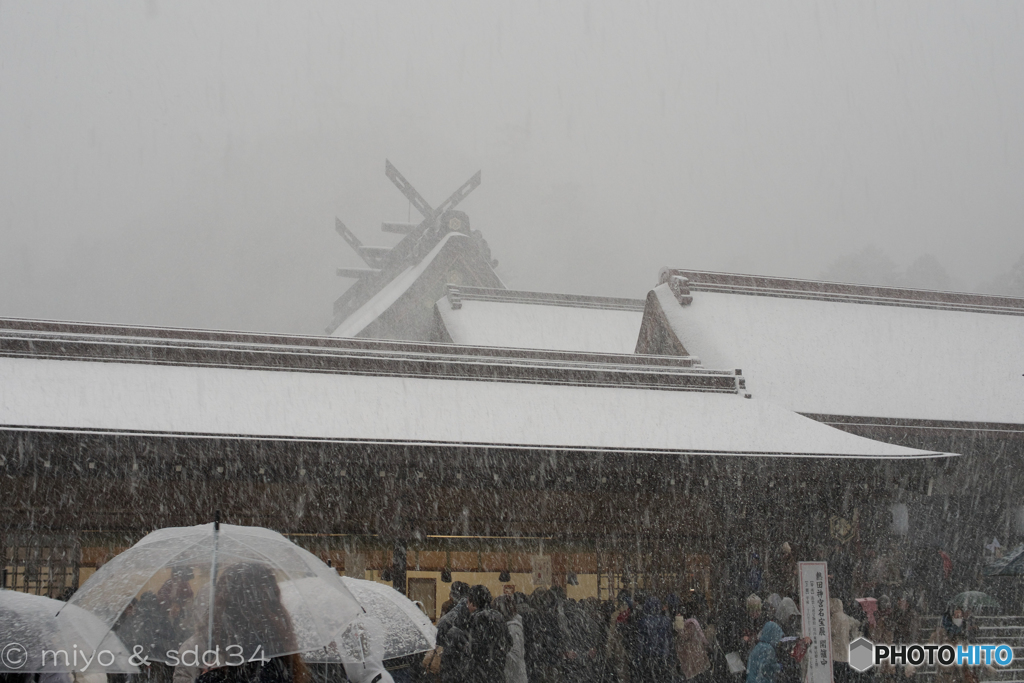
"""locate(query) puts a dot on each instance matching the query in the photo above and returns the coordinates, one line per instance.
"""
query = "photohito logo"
(14, 656)
(864, 654)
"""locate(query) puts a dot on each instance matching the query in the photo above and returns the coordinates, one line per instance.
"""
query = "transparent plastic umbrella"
(407, 630)
(156, 597)
(33, 639)
(971, 600)
(392, 627)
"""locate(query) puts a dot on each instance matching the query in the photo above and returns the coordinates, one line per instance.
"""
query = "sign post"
(817, 621)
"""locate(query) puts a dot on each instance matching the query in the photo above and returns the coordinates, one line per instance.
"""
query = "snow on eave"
(112, 397)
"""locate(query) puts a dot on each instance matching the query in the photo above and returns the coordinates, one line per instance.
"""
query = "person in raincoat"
(691, 647)
(654, 642)
(763, 664)
(788, 617)
(515, 660)
(489, 638)
(753, 622)
(790, 657)
(844, 630)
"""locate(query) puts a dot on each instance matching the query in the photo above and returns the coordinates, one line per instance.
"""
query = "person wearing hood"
(691, 647)
(752, 624)
(787, 616)
(763, 664)
(654, 642)
(844, 630)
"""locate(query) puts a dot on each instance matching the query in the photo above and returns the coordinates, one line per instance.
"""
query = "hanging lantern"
(446, 575)
(504, 576)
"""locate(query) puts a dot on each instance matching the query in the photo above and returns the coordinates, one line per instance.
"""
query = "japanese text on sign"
(817, 623)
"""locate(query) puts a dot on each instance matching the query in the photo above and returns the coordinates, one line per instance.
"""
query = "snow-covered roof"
(382, 300)
(115, 379)
(47, 394)
(831, 349)
(454, 245)
(530, 320)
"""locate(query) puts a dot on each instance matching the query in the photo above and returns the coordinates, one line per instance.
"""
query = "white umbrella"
(358, 639)
(393, 625)
(156, 595)
(407, 630)
(34, 639)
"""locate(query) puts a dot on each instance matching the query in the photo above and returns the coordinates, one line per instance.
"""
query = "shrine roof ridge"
(84, 341)
(840, 292)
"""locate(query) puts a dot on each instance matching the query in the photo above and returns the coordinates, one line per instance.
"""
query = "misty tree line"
(871, 266)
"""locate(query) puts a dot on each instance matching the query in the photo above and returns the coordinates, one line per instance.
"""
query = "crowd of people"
(547, 637)
(544, 637)
(647, 638)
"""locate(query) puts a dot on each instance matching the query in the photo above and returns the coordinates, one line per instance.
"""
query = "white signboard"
(541, 570)
(817, 622)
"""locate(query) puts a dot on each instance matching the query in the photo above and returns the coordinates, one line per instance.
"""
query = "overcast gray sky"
(181, 163)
